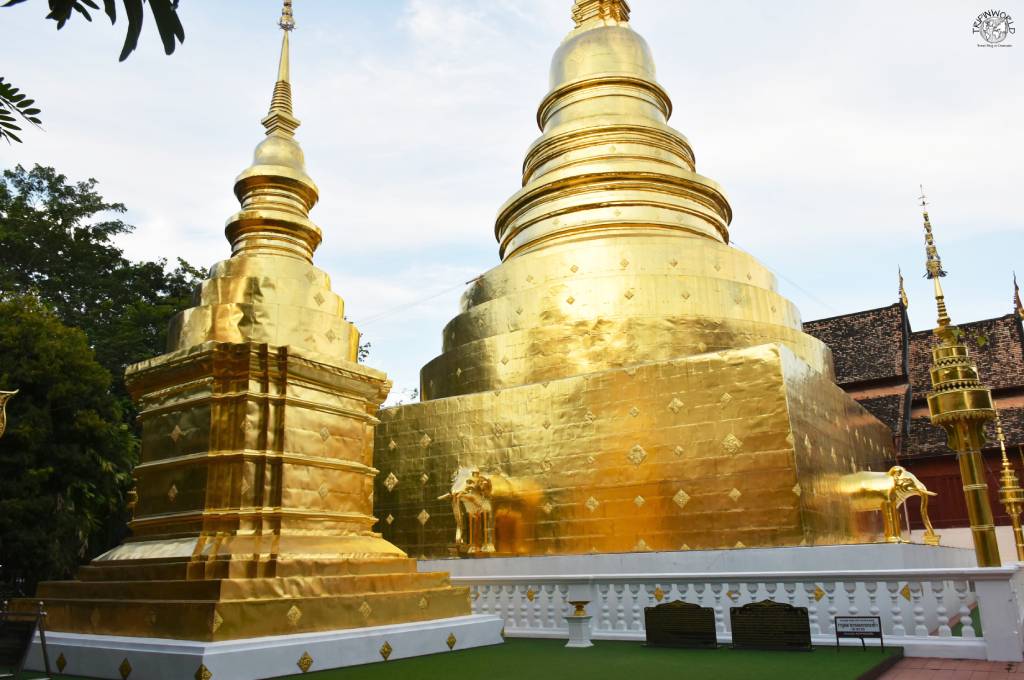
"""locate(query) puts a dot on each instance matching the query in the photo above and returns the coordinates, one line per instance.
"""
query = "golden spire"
(275, 192)
(603, 10)
(935, 271)
(1010, 493)
(903, 291)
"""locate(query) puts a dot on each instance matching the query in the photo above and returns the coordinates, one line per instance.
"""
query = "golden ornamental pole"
(961, 406)
(1011, 494)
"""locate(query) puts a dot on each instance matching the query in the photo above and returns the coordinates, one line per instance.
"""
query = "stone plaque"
(770, 625)
(680, 624)
(15, 638)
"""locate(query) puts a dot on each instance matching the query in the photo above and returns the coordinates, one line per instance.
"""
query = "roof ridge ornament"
(934, 271)
(584, 11)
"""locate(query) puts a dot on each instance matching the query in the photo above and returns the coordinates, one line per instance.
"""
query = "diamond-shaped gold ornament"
(659, 594)
(125, 669)
(172, 493)
(203, 673)
(390, 519)
(386, 649)
(424, 478)
(732, 444)
(639, 501)
(319, 298)
(325, 434)
(331, 336)
(305, 662)
(624, 263)
(570, 299)
(905, 592)
(679, 451)
(216, 621)
(390, 482)
(365, 609)
(797, 490)
(634, 411)
(176, 434)
(681, 498)
(640, 546)
(423, 517)
(392, 445)
(547, 508)
(423, 603)
(425, 440)
(451, 640)
(293, 615)
(629, 294)
(530, 594)
(592, 503)
(675, 405)
(735, 494)
(636, 455)
(323, 490)
(725, 399)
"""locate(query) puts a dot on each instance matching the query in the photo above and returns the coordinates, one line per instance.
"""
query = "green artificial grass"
(520, 659)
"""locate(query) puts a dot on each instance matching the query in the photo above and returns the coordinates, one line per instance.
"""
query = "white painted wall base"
(961, 538)
(101, 656)
(870, 556)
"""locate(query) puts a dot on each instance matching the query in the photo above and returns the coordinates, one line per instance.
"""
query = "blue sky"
(819, 118)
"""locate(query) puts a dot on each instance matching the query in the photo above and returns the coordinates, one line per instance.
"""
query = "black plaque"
(770, 625)
(17, 630)
(680, 624)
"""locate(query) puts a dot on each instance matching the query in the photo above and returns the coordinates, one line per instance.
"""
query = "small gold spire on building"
(1018, 307)
(603, 10)
(1010, 493)
(903, 290)
(281, 119)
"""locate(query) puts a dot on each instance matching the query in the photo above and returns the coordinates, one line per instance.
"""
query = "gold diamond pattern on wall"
(176, 434)
(293, 615)
(504, 361)
(725, 399)
(679, 451)
(659, 594)
(423, 517)
(172, 493)
(547, 508)
(675, 405)
(392, 445)
(636, 455)
(592, 503)
(125, 669)
(423, 603)
(731, 444)
(681, 499)
(323, 490)
(325, 434)
(589, 417)
(546, 424)
(735, 494)
(305, 662)
(216, 621)
(623, 263)
(424, 478)
(425, 440)
(203, 673)
(62, 663)
(818, 593)
(905, 592)
(570, 299)
(639, 501)
(629, 294)
(389, 519)
(739, 544)
(451, 641)
(797, 490)
(574, 269)
(641, 546)
(331, 336)
(390, 482)
(634, 411)
(530, 594)
(365, 609)
(385, 650)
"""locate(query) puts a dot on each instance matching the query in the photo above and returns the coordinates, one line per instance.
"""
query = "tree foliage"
(57, 242)
(165, 14)
(67, 455)
(14, 105)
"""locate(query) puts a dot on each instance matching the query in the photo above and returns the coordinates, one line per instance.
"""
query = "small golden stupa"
(255, 490)
(625, 379)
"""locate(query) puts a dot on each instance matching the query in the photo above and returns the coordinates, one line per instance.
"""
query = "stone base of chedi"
(625, 379)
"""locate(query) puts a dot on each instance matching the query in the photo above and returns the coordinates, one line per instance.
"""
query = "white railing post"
(1000, 620)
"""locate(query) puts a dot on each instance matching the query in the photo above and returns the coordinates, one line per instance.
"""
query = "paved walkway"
(954, 669)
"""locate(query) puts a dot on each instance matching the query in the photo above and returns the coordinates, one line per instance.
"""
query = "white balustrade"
(917, 616)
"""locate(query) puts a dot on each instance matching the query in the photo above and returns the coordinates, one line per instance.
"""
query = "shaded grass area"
(518, 659)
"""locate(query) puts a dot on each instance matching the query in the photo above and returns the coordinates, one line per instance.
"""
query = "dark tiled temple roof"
(891, 409)
(867, 346)
(997, 345)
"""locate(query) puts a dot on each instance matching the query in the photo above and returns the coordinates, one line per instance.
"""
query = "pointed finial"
(602, 10)
(1017, 306)
(933, 265)
(280, 120)
(287, 22)
(903, 291)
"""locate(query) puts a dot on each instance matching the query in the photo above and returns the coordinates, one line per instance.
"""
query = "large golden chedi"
(254, 513)
(624, 379)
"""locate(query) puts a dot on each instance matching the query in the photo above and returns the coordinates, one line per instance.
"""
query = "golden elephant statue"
(886, 491)
(491, 511)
